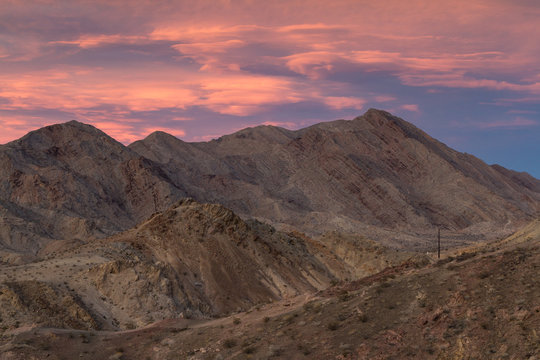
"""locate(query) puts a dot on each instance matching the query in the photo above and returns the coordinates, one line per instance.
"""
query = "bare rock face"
(377, 170)
(72, 180)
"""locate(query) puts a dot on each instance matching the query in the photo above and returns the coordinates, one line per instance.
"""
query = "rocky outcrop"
(210, 262)
(41, 303)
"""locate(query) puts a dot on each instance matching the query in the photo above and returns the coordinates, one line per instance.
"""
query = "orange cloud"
(89, 41)
(243, 95)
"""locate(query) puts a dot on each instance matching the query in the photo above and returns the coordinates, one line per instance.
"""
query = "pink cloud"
(411, 107)
(14, 127)
(459, 80)
(375, 57)
(89, 41)
(342, 102)
(9, 134)
(319, 27)
(384, 98)
(207, 53)
(312, 64)
(517, 122)
(521, 112)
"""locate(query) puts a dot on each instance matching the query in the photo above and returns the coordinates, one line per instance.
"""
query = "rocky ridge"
(376, 171)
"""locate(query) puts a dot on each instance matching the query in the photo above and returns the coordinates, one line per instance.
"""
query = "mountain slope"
(72, 180)
(376, 169)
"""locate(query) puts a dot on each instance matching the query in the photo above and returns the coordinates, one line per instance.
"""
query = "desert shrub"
(465, 256)
(344, 296)
(484, 274)
(229, 343)
(304, 349)
(308, 306)
(332, 326)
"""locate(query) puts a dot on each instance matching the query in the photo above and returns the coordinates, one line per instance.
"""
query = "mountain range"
(376, 174)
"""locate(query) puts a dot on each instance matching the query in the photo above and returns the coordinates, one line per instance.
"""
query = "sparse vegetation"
(334, 325)
(229, 343)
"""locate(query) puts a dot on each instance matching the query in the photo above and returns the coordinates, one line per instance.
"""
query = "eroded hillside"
(193, 261)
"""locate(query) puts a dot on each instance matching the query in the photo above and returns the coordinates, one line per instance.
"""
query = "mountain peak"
(159, 136)
(75, 123)
(378, 117)
(377, 112)
(69, 134)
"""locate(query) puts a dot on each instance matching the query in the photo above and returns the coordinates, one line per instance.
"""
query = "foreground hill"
(191, 261)
(374, 170)
(481, 303)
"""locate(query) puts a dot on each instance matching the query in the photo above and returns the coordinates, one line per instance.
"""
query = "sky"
(466, 72)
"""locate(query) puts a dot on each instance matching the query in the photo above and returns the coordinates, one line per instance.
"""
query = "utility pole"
(439, 243)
